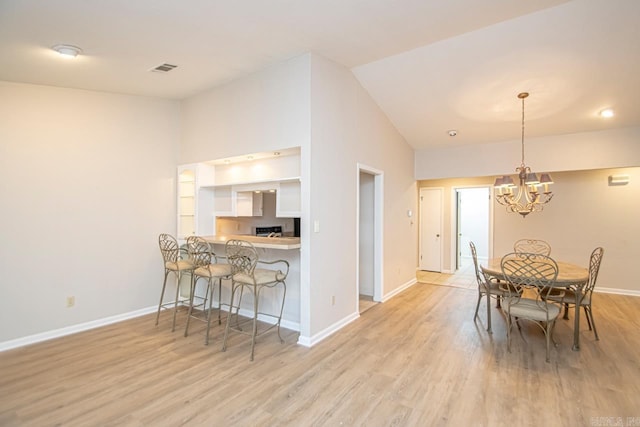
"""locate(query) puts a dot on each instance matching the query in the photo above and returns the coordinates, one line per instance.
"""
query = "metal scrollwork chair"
(568, 297)
(243, 258)
(532, 246)
(173, 263)
(529, 270)
(486, 287)
(206, 267)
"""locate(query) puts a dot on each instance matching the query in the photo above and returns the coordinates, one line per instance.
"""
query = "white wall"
(267, 110)
(348, 128)
(580, 151)
(88, 183)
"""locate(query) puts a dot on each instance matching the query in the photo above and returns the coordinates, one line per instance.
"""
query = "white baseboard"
(315, 339)
(616, 291)
(399, 289)
(311, 341)
(57, 333)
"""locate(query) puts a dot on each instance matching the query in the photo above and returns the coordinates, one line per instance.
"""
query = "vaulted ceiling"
(431, 65)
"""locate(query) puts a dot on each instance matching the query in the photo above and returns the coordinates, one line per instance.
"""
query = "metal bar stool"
(206, 267)
(173, 263)
(243, 258)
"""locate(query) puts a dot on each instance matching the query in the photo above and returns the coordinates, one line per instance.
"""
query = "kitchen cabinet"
(248, 203)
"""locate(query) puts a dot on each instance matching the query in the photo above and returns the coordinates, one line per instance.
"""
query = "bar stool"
(243, 258)
(173, 263)
(206, 267)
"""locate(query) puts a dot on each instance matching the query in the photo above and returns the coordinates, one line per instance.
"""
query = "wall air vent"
(163, 68)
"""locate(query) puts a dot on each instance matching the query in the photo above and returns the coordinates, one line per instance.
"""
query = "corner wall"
(347, 128)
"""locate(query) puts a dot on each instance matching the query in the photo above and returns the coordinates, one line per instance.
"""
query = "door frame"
(454, 222)
(378, 238)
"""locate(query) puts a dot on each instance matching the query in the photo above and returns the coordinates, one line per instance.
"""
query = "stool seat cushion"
(213, 270)
(179, 265)
(262, 277)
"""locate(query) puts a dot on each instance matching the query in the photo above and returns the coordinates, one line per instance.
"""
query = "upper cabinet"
(248, 203)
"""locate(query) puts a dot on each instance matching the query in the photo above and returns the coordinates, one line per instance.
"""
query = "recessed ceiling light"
(67, 50)
(607, 113)
(452, 132)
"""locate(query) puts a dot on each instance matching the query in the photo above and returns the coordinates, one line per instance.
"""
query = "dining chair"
(486, 287)
(532, 246)
(243, 258)
(568, 296)
(538, 272)
(207, 267)
(172, 255)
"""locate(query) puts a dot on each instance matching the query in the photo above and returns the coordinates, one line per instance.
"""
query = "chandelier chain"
(523, 131)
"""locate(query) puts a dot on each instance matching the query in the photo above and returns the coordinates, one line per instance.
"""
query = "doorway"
(369, 238)
(473, 224)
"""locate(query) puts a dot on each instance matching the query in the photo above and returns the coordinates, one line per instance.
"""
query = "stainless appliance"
(274, 231)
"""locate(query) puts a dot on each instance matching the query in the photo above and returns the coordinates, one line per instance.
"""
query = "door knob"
(437, 235)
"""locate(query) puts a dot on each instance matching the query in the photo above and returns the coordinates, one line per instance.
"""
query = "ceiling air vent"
(163, 68)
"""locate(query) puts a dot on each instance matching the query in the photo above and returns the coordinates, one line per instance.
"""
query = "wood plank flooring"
(416, 360)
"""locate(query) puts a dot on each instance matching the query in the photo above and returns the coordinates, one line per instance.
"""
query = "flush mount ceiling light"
(527, 199)
(67, 50)
(607, 113)
(452, 132)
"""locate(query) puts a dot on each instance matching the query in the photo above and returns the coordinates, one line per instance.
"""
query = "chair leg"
(164, 284)
(586, 313)
(489, 313)
(566, 312)
(192, 288)
(219, 300)
(284, 294)
(254, 332)
(226, 329)
(593, 322)
(509, 324)
(175, 305)
(211, 288)
(475, 316)
(547, 333)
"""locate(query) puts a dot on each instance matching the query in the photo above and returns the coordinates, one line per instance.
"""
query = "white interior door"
(431, 229)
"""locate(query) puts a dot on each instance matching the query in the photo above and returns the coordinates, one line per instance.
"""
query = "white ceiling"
(431, 65)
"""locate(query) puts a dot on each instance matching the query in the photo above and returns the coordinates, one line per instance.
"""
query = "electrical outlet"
(71, 301)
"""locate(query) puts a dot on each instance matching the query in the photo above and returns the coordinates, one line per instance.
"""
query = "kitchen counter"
(284, 243)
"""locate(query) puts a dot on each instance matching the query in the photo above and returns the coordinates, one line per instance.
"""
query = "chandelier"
(528, 198)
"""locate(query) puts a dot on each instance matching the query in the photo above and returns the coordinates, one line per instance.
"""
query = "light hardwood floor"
(416, 360)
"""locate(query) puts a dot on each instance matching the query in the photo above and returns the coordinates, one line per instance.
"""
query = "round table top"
(568, 274)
